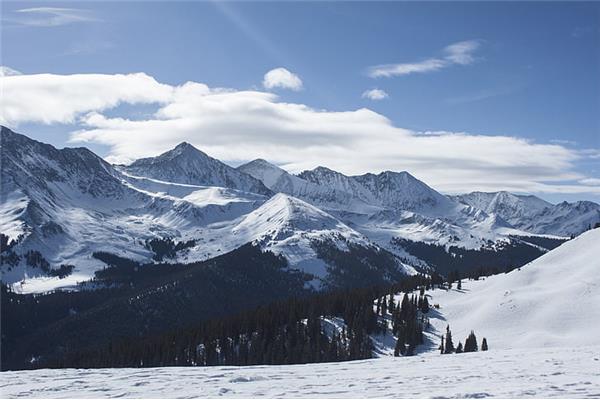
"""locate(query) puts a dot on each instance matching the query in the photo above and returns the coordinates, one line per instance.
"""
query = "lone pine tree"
(449, 345)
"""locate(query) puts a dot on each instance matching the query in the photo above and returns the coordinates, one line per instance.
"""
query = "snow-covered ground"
(553, 372)
(540, 322)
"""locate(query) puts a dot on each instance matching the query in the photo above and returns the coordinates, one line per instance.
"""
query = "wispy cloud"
(590, 181)
(282, 78)
(51, 16)
(375, 94)
(460, 53)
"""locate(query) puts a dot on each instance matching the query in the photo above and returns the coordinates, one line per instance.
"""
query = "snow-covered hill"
(552, 301)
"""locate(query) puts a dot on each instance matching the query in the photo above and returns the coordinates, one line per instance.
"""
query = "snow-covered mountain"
(323, 196)
(396, 190)
(532, 214)
(67, 204)
(386, 206)
(186, 164)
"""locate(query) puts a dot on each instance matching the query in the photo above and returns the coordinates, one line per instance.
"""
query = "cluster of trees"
(166, 247)
(356, 265)
(7, 255)
(408, 323)
(33, 258)
(297, 330)
(497, 259)
(447, 345)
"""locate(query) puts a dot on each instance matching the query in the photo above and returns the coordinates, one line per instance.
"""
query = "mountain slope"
(552, 301)
(532, 214)
(295, 229)
(322, 196)
(188, 165)
(65, 204)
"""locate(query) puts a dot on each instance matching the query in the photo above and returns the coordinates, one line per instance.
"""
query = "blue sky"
(529, 72)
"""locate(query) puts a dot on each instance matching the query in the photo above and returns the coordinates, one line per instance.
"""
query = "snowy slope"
(188, 165)
(552, 301)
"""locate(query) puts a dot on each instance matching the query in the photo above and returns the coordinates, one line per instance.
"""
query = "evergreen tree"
(442, 346)
(471, 343)
(449, 345)
(391, 305)
(484, 345)
(459, 348)
(425, 305)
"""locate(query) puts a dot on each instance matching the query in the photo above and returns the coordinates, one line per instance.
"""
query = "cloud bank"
(460, 53)
(239, 125)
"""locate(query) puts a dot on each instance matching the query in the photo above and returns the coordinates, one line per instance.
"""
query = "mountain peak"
(184, 145)
(188, 165)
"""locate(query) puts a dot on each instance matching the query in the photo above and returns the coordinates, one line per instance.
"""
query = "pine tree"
(449, 344)
(459, 349)
(425, 305)
(442, 346)
(484, 345)
(400, 348)
(391, 305)
(471, 343)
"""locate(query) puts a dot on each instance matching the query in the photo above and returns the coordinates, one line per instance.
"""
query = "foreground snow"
(552, 301)
(545, 372)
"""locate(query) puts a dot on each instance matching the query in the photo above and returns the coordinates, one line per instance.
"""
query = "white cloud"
(49, 98)
(282, 78)
(51, 16)
(375, 94)
(242, 125)
(460, 53)
(7, 71)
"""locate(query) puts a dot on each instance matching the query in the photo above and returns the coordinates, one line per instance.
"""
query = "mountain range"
(60, 207)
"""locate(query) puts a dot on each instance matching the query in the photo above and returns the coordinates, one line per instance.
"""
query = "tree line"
(284, 332)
